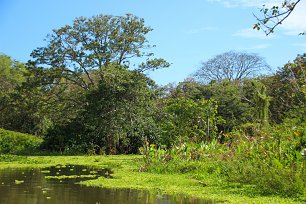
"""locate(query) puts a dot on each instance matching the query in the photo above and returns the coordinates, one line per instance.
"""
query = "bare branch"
(231, 66)
(275, 16)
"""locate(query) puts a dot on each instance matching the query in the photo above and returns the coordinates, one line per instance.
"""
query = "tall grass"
(270, 160)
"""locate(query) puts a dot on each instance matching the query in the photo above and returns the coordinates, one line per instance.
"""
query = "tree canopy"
(231, 66)
(82, 93)
(94, 44)
(11, 72)
(85, 69)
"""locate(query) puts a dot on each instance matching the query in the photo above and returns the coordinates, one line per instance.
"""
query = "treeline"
(82, 94)
(245, 135)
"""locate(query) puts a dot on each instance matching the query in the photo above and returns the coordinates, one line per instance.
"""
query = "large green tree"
(29, 97)
(90, 66)
(94, 44)
(236, 99)
(115, 118)
(287, 88)
(183, 120)
(12, 75)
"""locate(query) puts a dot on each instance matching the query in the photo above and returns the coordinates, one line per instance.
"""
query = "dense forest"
(82, 94)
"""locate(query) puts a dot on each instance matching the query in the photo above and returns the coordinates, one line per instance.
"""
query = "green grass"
(126, 175)
(18, 143)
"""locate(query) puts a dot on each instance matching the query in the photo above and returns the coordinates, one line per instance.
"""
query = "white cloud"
(251, 33)
(296, 22)
(293, 25)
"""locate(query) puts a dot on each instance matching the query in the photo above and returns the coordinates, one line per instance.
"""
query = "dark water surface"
(29, 186)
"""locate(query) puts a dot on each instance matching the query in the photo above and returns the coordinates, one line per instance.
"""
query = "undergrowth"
(271, 160)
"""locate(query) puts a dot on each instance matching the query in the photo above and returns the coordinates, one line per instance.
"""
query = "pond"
(58, 184)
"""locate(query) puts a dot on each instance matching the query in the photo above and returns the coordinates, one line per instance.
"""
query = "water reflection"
(29, 186)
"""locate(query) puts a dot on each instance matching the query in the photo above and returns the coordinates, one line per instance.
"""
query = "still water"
(39, 186)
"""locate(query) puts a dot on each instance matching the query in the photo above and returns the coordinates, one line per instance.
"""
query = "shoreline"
(127, 176)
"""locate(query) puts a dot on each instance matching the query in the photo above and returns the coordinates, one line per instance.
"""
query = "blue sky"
(186, 32)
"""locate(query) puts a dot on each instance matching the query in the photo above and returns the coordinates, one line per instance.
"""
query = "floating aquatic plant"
(19, 181)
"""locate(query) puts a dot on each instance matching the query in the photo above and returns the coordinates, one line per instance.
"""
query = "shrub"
(270, 160)
(18, 143)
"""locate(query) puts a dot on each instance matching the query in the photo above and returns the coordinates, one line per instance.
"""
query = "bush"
(18, 143)
(181, 158)
(270, 160)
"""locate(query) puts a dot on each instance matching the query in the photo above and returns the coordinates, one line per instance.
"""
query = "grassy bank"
(18, 143)
(126, 175)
